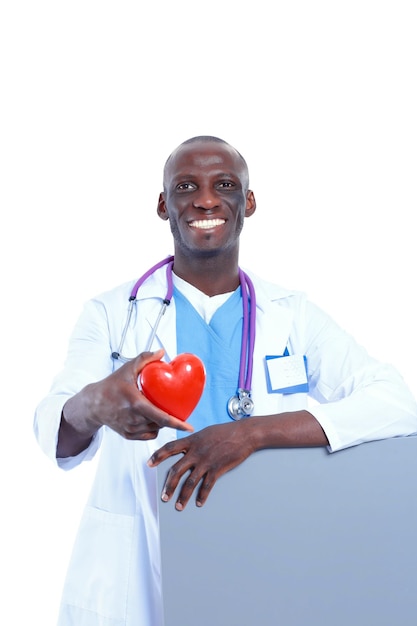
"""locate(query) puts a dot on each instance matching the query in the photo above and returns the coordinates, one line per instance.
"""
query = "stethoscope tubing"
(169, 261)
(248, 331)
(248, 327)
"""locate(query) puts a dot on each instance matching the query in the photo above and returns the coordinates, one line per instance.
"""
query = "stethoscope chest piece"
(241, 405)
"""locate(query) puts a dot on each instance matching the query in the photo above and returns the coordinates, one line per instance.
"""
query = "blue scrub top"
(218, 345)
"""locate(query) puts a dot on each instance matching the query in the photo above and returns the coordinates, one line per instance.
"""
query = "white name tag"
(287, 374)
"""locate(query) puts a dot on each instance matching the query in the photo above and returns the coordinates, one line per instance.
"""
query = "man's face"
(205, 197)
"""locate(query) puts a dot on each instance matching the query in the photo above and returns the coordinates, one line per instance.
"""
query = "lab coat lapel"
(166, 334)
(150, 297)
(273, 327)
(273, 321)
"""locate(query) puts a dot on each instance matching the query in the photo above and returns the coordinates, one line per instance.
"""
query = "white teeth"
(207, 223)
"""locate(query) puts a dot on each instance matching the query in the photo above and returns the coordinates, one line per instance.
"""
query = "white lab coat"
(114, 575)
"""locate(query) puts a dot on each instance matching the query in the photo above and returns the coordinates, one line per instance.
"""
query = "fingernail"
(164, 496)
(179, 506)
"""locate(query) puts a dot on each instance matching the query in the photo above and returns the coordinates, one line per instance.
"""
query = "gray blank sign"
(298, 537)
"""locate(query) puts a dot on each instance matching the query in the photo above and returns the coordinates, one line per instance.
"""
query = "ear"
(250, 203)
(162, 209)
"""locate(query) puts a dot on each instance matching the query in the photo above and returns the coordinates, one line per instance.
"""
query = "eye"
(226, 184)
(185, 187)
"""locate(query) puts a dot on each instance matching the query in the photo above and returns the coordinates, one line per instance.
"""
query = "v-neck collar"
(205, 305)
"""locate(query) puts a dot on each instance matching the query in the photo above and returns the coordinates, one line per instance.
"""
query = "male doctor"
(114, 575)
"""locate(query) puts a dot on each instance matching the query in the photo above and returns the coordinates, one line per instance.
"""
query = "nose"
(205, 198)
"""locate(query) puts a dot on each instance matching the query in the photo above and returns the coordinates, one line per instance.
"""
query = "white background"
(319, 96)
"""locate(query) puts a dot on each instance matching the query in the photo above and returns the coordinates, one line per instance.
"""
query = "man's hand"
(213, 451)
(116, 402)
(207, 455)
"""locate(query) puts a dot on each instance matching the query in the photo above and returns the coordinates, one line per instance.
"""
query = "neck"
(211, 275)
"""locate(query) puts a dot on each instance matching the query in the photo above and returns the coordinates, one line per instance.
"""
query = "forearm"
(76, 428)
(285, 430)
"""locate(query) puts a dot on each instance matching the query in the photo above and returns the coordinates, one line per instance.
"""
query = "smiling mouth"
(205, 224)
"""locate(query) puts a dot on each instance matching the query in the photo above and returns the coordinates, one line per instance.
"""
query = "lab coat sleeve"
(359, 399)
(88, 360)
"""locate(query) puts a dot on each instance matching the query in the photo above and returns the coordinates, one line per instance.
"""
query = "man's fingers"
(204, 490)
(191, 483)
(171, 448)
(164, 420)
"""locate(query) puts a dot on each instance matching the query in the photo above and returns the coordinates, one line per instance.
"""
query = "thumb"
(147, 357)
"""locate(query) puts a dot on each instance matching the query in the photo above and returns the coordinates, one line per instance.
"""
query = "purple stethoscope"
(240, 405)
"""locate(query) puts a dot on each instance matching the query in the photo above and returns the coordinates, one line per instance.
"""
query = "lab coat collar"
(267, 294)
(156, 287)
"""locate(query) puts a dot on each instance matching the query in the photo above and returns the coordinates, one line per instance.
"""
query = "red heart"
(174, 387)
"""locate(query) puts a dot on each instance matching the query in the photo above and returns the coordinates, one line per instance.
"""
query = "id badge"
(287, 374)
